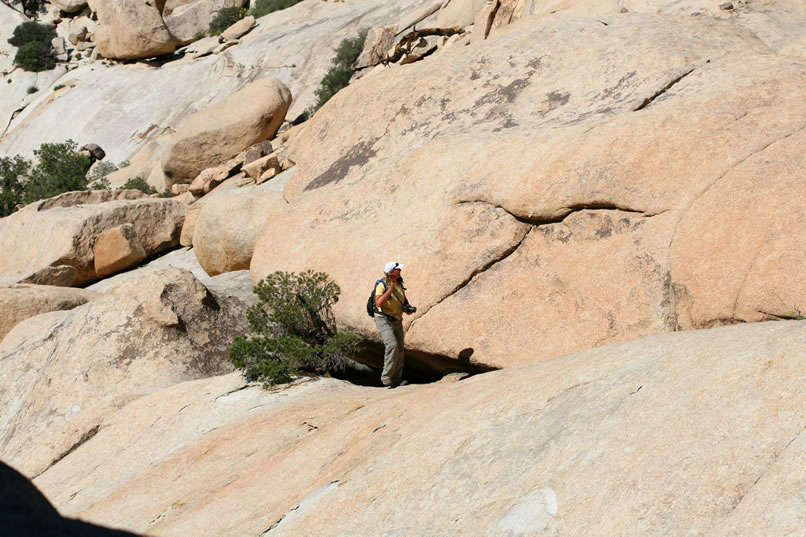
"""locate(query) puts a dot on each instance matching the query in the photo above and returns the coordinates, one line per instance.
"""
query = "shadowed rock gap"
(668, 86)
(86, 437)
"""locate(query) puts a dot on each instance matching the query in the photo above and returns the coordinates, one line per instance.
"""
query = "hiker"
(391, 303)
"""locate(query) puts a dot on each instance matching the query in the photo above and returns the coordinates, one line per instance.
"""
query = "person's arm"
(381, 300)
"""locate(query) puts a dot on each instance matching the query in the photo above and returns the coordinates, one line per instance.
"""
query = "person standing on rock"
(391, 303)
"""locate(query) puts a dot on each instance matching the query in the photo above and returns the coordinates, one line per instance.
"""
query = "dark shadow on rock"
(420, 367)
(25, 511)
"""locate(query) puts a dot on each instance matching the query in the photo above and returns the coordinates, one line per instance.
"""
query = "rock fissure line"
(86, 437)
(567, 211)
(725, 173)
(508, 252)
(649, 100)
(236, 390)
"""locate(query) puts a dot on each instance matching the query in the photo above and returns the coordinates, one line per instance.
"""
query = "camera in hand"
(408, 308)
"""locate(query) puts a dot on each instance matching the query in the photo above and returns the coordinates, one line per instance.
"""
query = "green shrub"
(264, 7)
(96, 178)
(293, 330)
(340, 72)
(198, 35)
(60, 169)
(12, 176)
(30, 32)
(57, 87)
(35, 56)
(138, 183)
(225, 18)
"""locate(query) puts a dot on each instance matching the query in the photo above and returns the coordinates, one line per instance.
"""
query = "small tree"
(12, 190)
(226, 17)
(138, 183)
(60, 169)
(96, 178)
(340, 72)
(35, 57)
(29, 32)
(293, 329)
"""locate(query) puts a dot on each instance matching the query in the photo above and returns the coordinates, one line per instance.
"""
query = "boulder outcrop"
(117, 248)
(131, 29)
(559, 204)
(19, 302)
(668, 435)
(221, 131)
(63, 230)
(147, 333)
(228, 227)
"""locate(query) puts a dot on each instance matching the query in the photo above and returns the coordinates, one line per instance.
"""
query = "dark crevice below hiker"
(390, 299)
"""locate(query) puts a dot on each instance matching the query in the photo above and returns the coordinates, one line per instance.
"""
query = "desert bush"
(59, 169)
(225, 17)
(12, 176)
(292, 330)
(96, 178)
(341, 70)
(35, 56)
(264, 7)
(138, 183)
(29, 32)
(198, 35)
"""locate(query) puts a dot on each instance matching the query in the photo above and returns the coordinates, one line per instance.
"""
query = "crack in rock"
(86, 437)
(663, 90)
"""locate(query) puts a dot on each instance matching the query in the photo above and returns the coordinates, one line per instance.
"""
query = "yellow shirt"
(393, 307)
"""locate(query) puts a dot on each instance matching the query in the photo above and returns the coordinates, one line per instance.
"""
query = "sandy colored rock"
(189, 224)
(63, 230)
(227, 228)
(131, 29)
(184, 19)
(219, 132)
(458, 13)
(147, 333)
(668, 435)
(376, 46)
(19, 302)
(542, 198)
(239, 29)
(258, 167)
(116, 249)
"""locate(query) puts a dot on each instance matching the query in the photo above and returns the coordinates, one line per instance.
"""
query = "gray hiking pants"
(392, 335)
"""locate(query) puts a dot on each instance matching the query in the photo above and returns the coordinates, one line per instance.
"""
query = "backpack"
(372, 309)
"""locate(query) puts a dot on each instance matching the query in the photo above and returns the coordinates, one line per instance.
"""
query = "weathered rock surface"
(228, 227)
(19, 302)
(559, 197)
(131, 29)
(668, 435)
(459, 13)
(63, 230)
(116, 249)
(145, 334)
(184, 19)
(221, 131)
(25, 511)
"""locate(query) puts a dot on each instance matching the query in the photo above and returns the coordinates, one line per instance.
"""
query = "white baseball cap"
(392, 265)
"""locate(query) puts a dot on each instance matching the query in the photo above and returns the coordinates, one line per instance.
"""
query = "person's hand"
(392, 286)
